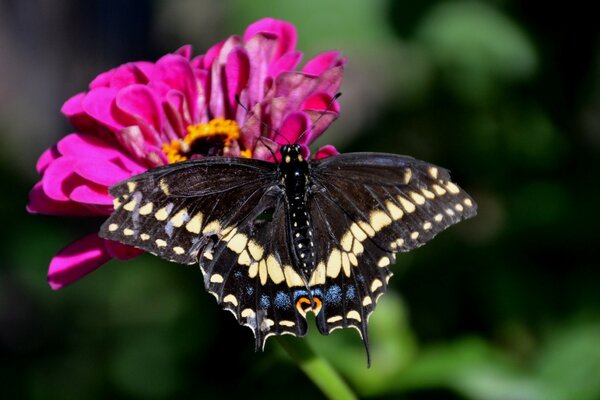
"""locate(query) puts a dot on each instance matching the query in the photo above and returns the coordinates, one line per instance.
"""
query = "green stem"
(316, 368)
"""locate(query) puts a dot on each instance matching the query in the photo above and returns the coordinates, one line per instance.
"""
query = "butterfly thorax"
(294, 172)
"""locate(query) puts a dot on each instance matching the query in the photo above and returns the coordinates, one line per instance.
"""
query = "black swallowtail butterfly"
(275, 241)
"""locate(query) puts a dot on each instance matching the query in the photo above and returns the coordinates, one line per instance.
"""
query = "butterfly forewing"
(399, 202)
(172, 211)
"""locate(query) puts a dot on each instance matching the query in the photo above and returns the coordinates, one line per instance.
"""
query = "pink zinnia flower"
(142, 115)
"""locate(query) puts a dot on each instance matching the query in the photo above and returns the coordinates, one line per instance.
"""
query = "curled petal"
(322, 62)
(260, 49)
(320, 101)
(40, 203)
(326, 151)
(98, 104)
(60, 179)
(90, 193)
(46, 158)
(284, 31)
(237, 72)
(100, 171)
(184, 51)
(287, 62)
(141, 104)
(294, 125)
(176, 72)
(77, 260)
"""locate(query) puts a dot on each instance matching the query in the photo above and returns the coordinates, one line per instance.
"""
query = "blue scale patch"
(334, 295)
(282, 301)
(300, 293)
(264, 301)
(350, 293)
(317, 293)
(249, 290)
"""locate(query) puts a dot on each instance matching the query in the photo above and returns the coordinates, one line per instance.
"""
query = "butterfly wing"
(366, 207)
(228, 215)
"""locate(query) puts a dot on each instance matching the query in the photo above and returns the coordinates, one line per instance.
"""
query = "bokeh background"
(505, 93)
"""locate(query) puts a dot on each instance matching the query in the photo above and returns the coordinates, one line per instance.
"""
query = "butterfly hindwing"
(250, 272)
(350, 275)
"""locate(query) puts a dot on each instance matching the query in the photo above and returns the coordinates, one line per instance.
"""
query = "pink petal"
(211, 55)
(46, 158)
(91, 193)
(140, 106)
(320, 101)
(128, 74)
(82, 146)
(293, 126)
(184, 51)
(40, 203)
(101, 171)
(133, 140)
(283, 30)
(77, 260)
(98, 104)
(326, 151)
(79, 119)
(237, 71)
(59, 179)
(322, 62)
(287, 62)
(330, 81)
(260, 49)
(176, 72)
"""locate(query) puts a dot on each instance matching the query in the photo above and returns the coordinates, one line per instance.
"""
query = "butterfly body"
(276, 241)
(295, 177)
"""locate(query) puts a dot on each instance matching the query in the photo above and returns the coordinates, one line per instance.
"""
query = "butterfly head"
(291, 152)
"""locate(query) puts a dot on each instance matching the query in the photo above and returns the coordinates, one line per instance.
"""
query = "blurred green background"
(504, 93)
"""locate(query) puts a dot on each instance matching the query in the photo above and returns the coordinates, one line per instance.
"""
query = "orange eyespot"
(303, 305)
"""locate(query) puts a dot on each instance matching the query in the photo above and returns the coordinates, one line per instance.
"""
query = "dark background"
(504, 93)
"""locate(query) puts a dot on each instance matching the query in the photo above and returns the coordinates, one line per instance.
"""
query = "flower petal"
(326, 151)
(59, 179)
(141, 104)
(40, 203)
(98, 104)
(322, 62)
(287, 62)
(176, 72)
(293, 126)
(260, 49)
(77, 260)
(101, 171)
(46, 158)
(283, 30)
(237, 72)
(90, 193)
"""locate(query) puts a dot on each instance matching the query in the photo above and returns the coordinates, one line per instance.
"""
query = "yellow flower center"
(208, 139)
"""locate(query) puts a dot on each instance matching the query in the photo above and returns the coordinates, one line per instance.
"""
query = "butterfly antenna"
(263, 123)
(311, 127)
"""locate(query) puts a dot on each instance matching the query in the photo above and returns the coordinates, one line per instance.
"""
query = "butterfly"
(276, 241)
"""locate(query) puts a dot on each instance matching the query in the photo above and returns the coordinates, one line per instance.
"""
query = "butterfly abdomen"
(294, 175)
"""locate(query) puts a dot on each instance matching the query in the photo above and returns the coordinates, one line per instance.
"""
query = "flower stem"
(316, 368)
